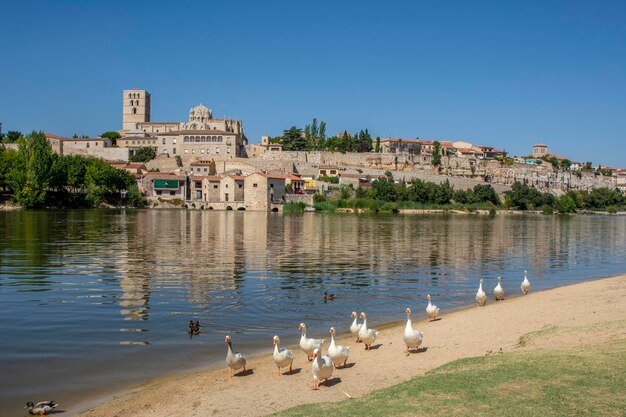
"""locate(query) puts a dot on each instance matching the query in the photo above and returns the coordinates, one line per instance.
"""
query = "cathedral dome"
(200, 113)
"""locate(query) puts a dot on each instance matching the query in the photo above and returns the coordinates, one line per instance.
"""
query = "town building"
(540, 150)
(164, 185)
(200, 135)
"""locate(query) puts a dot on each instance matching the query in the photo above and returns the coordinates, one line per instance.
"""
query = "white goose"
(282, 357)
(431, 310)
(309, 345)
(368, 336)
(498, 291)
(338, 353)
(354, 328)
(321, 368)
(525, 284)
(234, 360)
(412, 338)
(481, 296)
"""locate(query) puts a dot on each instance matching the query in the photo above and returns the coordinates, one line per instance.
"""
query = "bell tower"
(135, 108)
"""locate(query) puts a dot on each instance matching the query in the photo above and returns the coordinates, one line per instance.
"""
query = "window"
(174, 151)
(87, 145)
(134, 110)
(205, 169)
(163, 140)
(174, 141)
(186, 139)
(225, 185)
(215, 186)
(217, 151)
(158, 192)
(193, 151)
(240, 185)
(271, 185)
(134, 142)
(172, 192)
(228, 149)
(201, 150)
(255, 185)
(186, 151)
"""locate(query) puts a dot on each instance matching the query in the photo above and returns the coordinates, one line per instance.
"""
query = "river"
(92, 301)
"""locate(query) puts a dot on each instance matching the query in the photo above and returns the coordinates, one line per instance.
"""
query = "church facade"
(200, 136)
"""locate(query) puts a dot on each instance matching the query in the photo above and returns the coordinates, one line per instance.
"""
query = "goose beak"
(300, 327)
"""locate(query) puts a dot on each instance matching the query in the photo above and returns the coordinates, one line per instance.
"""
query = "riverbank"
(465, 333)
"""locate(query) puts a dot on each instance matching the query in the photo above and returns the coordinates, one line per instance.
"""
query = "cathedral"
(201, 135)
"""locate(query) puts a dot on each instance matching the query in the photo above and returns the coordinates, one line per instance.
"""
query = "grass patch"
(294, 207)
(573, 382)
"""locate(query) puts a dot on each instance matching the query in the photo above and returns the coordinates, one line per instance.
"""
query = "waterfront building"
(164, 185)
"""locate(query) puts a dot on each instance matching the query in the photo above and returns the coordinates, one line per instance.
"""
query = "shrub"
(361, 193)
(547, 209)
(294, 207)
(565, 204)
(345, 192)
(611, 210)
(319, 198)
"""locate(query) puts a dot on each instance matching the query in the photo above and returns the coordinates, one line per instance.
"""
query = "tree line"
(421, 193)
(523, 197)
(34, 176)
(313, 138)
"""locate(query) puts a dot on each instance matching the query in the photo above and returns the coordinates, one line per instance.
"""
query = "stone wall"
(541, 176)
(109, 154)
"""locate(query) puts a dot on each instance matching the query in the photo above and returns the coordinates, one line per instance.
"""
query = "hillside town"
(208, 163)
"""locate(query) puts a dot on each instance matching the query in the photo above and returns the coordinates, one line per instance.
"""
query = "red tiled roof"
(135, 165)
(540, 145)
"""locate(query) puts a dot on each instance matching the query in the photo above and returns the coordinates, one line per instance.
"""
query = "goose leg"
(290, 370)
(278, 373)
(345, 363)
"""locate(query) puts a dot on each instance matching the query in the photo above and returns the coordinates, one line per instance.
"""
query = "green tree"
(294, 140)
(111, 135)
(144, 154)
(565, 204)
(436, 153)
(377, 149)
(13, 136)
(29, 177)
(486, 193)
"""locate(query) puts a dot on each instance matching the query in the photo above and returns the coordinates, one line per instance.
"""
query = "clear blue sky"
(507, 74)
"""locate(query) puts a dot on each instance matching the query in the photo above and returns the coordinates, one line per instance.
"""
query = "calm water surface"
(93, 301)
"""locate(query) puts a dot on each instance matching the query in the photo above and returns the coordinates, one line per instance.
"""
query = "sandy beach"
(464, 333)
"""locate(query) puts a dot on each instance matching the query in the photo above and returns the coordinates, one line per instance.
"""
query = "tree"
(112, 136)
(436, 153)
(565, 204)
(144, 154)
(486, 193)
(13, 136)
(566, 164)
(363, 142)
(29, 177)
(377, 149)
(293, 140)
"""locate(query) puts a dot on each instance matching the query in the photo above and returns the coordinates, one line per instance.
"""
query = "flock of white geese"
(322, 366)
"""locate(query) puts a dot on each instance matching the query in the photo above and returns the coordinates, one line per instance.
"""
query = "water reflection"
(114, 290)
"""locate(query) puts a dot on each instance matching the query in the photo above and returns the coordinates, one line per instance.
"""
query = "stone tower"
(135, 108)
